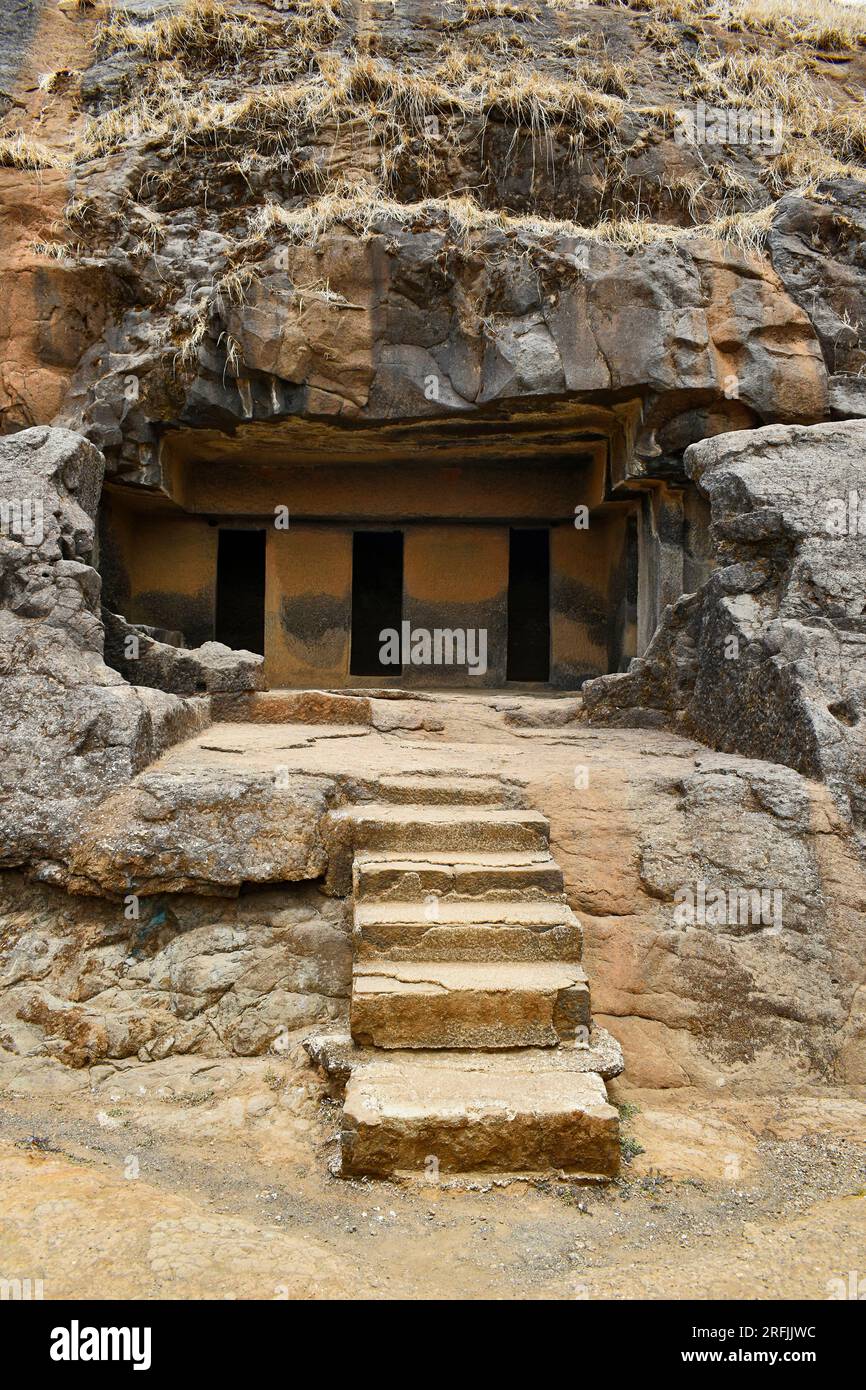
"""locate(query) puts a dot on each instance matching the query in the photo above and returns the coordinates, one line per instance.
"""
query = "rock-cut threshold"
(471, 1045)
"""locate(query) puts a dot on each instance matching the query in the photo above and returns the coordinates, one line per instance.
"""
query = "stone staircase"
(471, 1044)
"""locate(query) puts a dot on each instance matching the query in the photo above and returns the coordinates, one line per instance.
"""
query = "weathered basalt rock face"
(723, 902)
(768, 658)
(815, 245)
(86, 980)
(512, 316)
(313, 211)
(73, 729)
(730, 963)
(424, 321)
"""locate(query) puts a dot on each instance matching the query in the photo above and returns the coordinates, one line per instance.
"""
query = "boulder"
(768, 658)
(72, 729)
(201, 830)
(209, 669)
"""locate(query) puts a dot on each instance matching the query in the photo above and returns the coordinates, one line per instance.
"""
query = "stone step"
(290, 707)
(415, 829)
(338, 1057)
(497, 876)
(418, 1004)
(401, 1115)
(466, 828)
(459, 929)
(422, 789)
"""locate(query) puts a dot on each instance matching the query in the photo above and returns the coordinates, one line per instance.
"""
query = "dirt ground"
(193, 1178)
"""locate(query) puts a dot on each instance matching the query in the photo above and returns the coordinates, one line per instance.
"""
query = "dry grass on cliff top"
(394, 104)
(209, 33)
(479, 11)
(172, 104)
(186, 98)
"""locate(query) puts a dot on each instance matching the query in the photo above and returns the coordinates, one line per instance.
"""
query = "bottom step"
(408, 1116)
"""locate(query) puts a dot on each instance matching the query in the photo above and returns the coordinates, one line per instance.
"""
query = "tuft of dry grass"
(363, 211)
(233, 353)
(674, 11)
(819, 138)
(752, 79)
(479, 11)
(820, 24)
(58, 80)
(187, 353)
(176, 113)
(536, 103)
(206, 36)
(746, 231)
(204, 32)
(21, 151)
(843, 134)
(735, 187)
(232, 287)
(52, 250)
(803, 166)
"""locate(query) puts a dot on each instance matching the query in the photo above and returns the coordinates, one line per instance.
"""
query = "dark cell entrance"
(529, 606)
(240, 590)
(377, 599)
